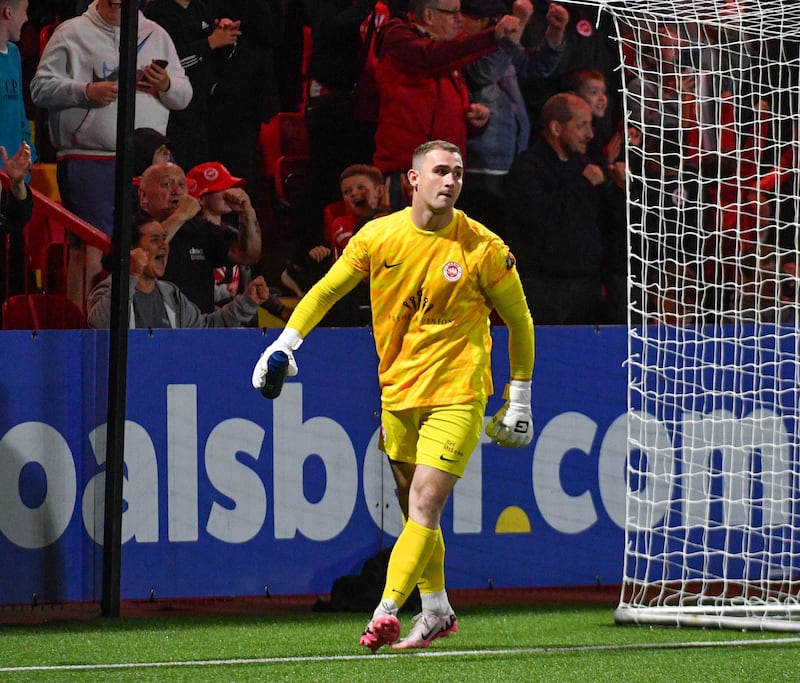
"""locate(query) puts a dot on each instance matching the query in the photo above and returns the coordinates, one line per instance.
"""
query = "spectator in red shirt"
(423, 94)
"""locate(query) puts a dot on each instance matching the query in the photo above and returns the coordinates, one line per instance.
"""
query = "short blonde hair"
(420, 152)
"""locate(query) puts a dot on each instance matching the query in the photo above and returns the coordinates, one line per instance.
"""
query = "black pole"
(118, 343)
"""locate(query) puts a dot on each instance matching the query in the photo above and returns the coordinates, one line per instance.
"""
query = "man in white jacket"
(77, 82)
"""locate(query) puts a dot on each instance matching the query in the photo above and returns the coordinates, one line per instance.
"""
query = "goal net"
(711, 93)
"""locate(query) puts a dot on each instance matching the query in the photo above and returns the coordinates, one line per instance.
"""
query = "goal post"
(711, 95)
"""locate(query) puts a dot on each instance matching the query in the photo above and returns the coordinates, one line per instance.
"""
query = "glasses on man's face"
(451, 12)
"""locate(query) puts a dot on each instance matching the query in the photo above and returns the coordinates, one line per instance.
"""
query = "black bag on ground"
(362, 592)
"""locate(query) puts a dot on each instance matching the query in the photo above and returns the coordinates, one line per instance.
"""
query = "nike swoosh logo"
(113, 74)
(441, 457)
(429, 635)
(386, 264)
(434, 630)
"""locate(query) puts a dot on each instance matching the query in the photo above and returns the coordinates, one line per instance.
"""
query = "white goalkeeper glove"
(512, 427)
(271, 367)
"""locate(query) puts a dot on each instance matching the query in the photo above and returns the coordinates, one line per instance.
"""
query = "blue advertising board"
(227, 493)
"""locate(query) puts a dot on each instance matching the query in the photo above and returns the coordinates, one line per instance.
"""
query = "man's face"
(17, 16)
(574, 135)
(214, 203)
(438, 182)
(110, 11)
(444, 21)
(594, 92)
(154, 242)
(161, 188)
(361, 194)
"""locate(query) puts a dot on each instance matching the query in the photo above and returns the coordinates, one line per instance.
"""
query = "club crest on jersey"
(452, 271)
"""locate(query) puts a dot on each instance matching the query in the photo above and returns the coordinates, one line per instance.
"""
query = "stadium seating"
(41, 311)
(283, 143)
(46, 257)
(45, 33)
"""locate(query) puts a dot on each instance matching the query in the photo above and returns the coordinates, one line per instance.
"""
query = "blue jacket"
(492, 81)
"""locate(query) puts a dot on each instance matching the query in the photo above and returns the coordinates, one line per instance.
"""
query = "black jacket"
(15, 214)
(557, 215)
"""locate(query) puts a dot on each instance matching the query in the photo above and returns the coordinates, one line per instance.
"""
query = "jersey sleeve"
(508, 298)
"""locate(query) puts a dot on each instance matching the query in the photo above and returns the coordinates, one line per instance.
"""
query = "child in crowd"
(364, 197)
(590, 85)
(221, 194)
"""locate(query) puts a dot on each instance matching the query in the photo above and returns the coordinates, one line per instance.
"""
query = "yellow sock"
(409, 556)
(432, 578)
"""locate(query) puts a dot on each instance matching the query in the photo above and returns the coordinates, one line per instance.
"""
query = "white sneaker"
(427, 628)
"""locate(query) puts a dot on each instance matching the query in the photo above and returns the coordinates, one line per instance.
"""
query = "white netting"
(712, 100)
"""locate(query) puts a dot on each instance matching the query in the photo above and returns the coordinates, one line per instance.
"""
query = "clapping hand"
(20, 164)
(226, 33)
(18, 168)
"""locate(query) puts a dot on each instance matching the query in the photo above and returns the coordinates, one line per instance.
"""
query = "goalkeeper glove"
(277, 362)
(512, 427)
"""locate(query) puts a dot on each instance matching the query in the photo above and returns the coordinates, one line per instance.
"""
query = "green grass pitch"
(494, 643)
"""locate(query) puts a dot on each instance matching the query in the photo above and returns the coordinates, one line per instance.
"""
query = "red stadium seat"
(45, 34)
(284, 136)
(46, 247)
(292, 179)
(41, 312)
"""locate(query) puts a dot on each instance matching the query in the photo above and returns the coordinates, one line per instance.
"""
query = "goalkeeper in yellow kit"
(434, 277)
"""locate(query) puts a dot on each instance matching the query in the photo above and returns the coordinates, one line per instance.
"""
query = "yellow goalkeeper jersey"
(430, 307)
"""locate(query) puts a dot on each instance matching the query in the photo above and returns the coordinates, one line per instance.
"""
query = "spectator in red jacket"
(423, 95)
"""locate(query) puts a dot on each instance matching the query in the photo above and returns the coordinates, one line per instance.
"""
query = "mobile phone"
(161, 62)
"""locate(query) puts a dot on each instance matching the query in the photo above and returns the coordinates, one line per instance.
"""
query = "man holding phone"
(77, 82)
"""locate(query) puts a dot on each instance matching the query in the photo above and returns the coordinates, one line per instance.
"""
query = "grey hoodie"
(85, 49)
(180, 311)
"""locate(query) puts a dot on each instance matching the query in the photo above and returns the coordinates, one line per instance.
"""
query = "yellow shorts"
(442, 436)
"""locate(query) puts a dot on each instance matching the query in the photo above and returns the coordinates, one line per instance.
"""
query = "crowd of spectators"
(528, 89)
